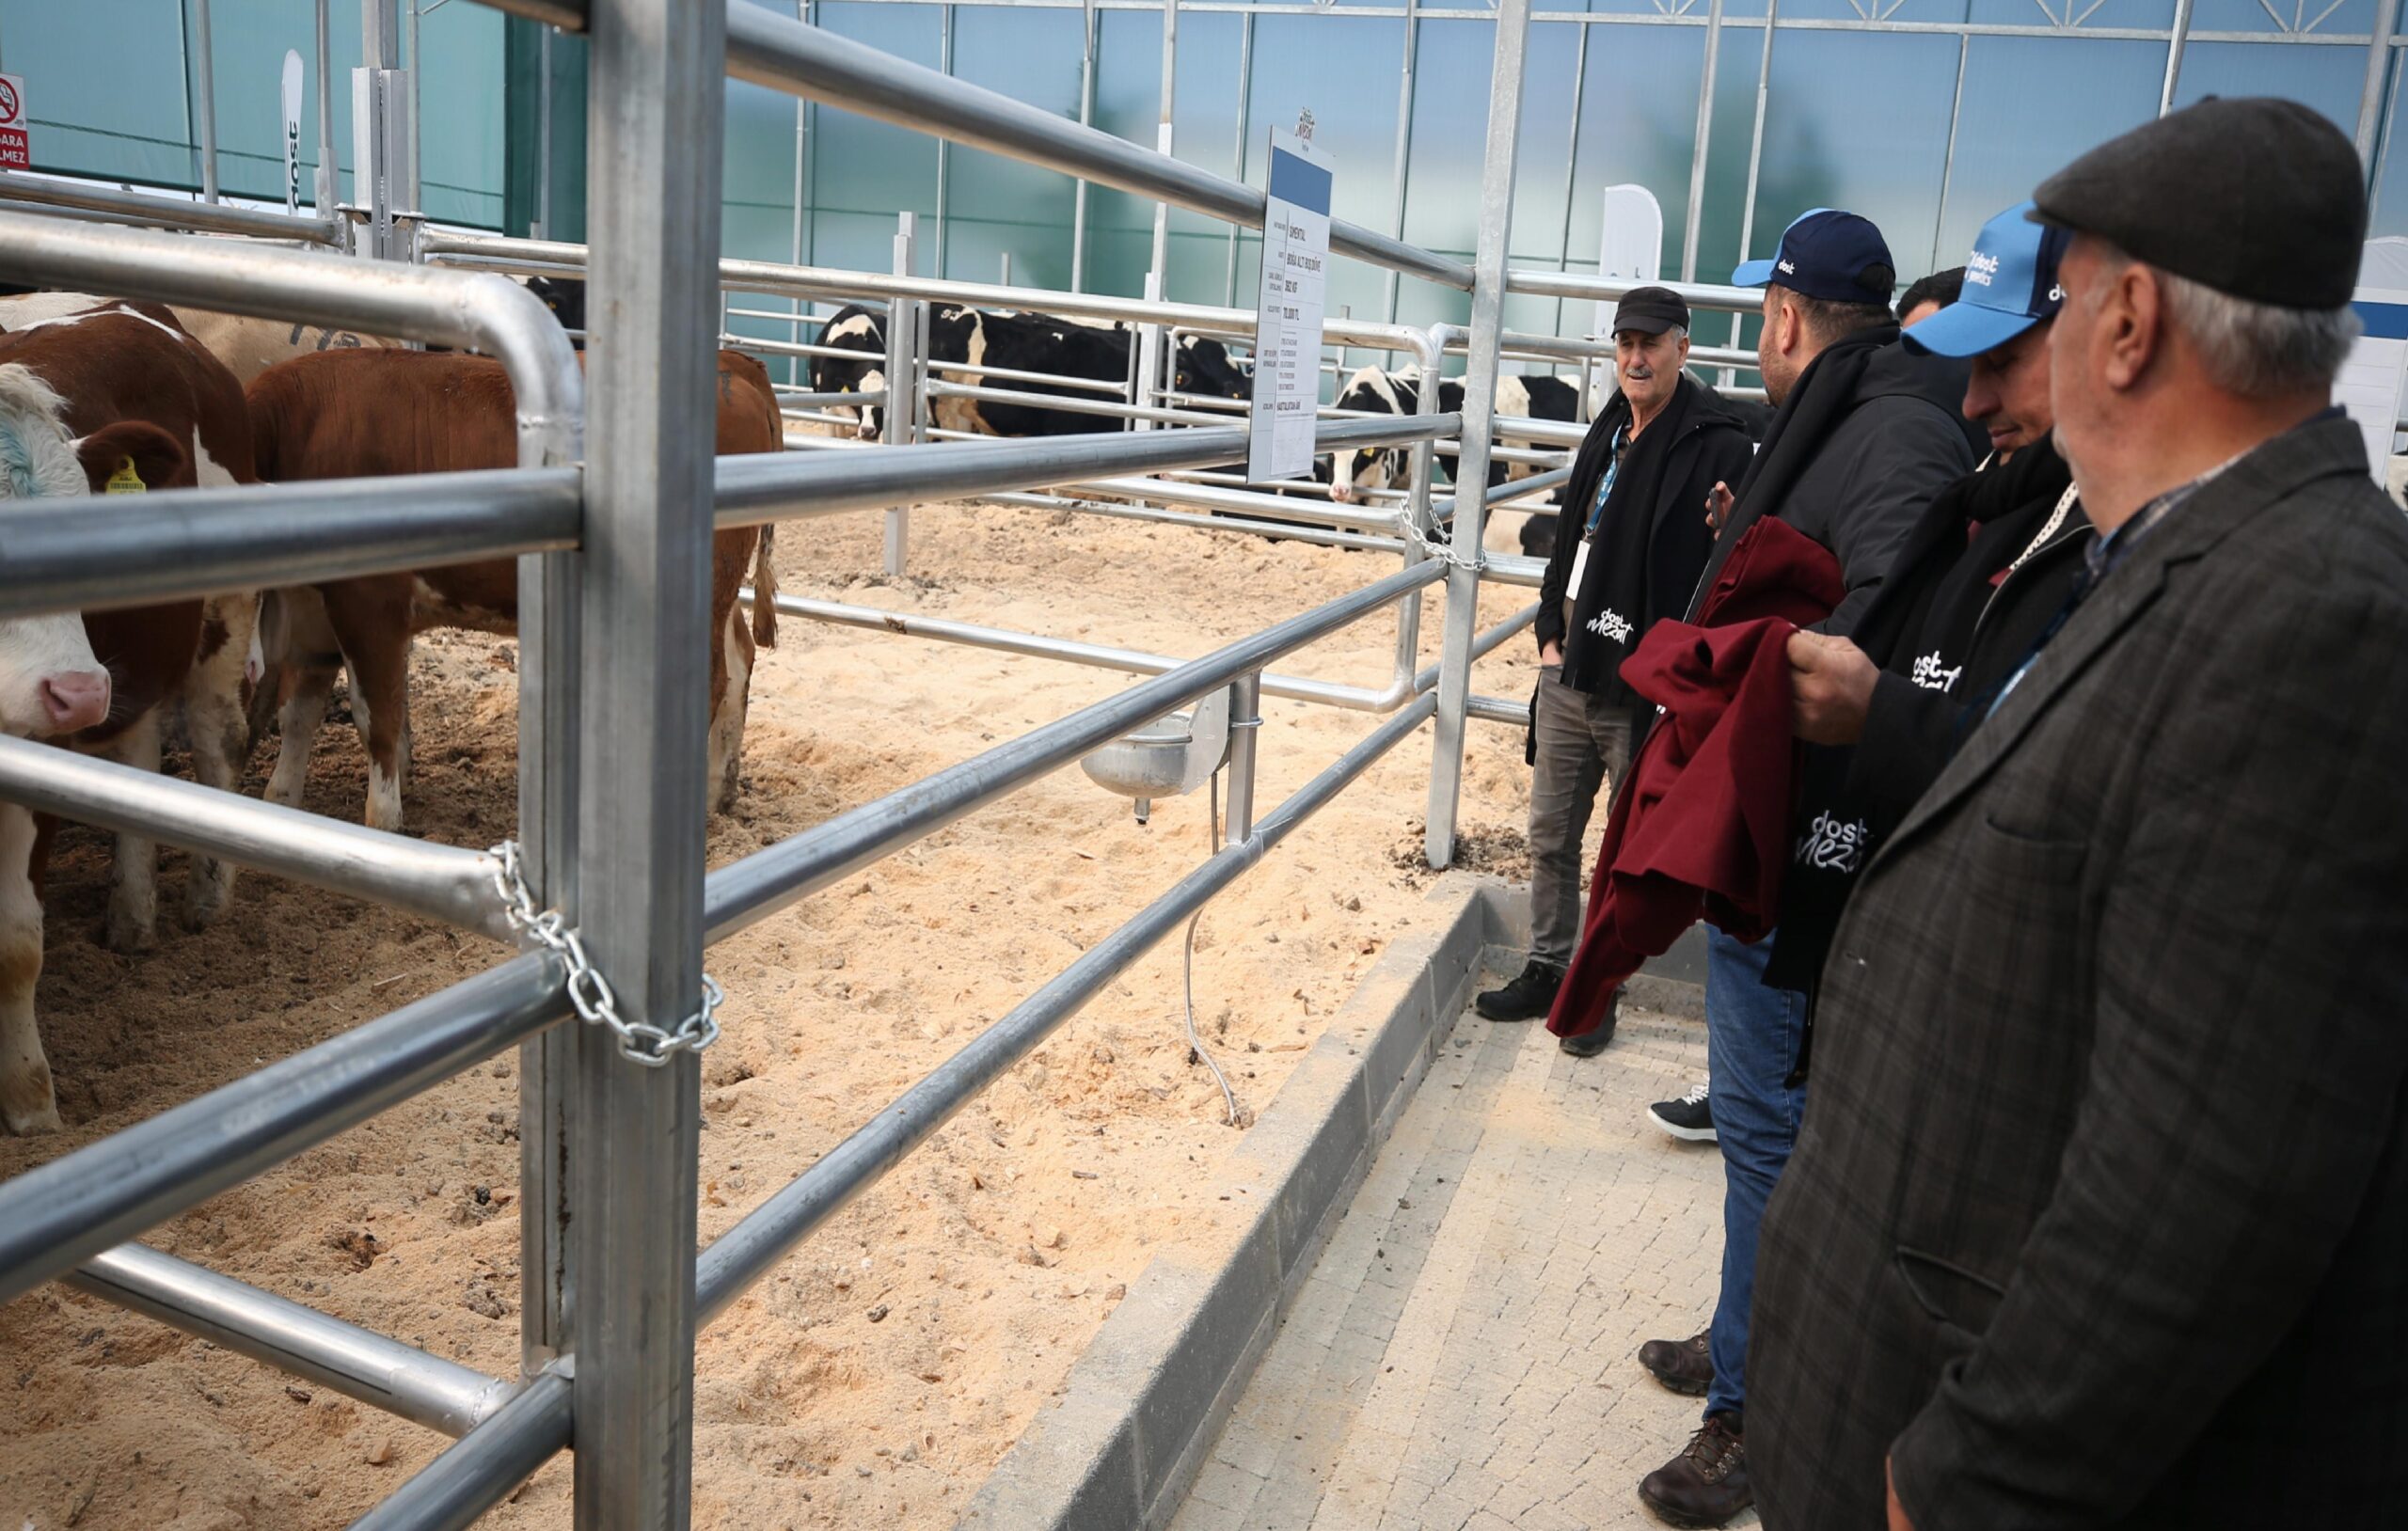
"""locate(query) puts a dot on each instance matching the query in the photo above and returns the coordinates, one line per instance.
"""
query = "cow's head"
(51, 683)
(853, 330)
(1369, 469)
(1203, 367)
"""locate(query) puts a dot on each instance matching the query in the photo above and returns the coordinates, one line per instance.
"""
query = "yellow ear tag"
(124, 481)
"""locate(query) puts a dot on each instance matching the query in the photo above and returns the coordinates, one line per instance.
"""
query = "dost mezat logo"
(1982, 269)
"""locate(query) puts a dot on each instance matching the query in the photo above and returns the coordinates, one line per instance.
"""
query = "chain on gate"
(1443, 549)
(588, 990)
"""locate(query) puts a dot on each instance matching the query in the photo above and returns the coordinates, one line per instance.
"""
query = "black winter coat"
(1936, 681)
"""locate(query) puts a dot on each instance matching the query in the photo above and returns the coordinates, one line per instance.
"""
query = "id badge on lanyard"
(1596, 513)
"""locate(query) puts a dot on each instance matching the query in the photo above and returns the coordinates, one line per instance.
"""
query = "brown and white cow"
(247, 346)
(117, 398)
(357, 414)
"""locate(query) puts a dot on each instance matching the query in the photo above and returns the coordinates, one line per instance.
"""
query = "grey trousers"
(1582, 743)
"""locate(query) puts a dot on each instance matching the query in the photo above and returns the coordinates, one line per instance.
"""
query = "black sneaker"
(1590, 1043)
(1529, 997)
(1690, 1118)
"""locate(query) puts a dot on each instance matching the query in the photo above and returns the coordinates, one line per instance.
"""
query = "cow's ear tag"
(124, 481)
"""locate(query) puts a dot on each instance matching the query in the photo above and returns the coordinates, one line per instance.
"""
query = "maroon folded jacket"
(1702, 828)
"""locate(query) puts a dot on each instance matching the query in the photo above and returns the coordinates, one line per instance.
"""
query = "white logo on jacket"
(1932, 676)
(1613, 624)
(1832, 845)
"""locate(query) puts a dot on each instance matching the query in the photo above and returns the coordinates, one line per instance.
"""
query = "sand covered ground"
(880, 1373)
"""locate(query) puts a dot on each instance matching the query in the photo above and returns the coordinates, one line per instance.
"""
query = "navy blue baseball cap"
(1827, 254)
(2010, 285)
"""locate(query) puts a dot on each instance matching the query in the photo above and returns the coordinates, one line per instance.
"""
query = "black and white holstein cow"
(1021, 342)
(1375, 391)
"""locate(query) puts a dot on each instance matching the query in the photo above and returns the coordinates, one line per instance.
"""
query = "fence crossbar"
(358, 1362)
(474, 309)
(482, 1468)
(782, 53)
(748, 1251)
(431, 880)
(748, 891)
(57, 1216)
(771, 486)
(175, 543)
(167, 212)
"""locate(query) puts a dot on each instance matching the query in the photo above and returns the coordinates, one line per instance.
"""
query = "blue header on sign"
(2383, 321)
(1296, 180)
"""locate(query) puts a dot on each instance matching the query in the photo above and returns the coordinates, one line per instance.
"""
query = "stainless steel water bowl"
(1172, 754)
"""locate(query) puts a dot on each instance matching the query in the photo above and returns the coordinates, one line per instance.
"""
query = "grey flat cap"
(2256, 196)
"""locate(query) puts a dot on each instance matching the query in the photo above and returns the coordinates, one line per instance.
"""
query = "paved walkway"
(1463, 1356)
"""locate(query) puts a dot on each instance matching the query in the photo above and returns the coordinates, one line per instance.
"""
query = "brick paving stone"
(1463, 1358)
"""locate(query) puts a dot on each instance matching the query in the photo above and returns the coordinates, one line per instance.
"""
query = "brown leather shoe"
(1686, 1367)
(1707, 1483)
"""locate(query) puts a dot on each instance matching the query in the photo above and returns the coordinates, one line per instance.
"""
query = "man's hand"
(1551, 652)
(1831, 684)
(1717, 506)
(1898, 1521)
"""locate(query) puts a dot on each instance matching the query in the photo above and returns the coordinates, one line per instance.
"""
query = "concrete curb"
(1143, 1405)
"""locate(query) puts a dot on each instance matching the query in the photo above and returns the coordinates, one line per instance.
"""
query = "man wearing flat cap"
(1628, 550)
(2099, 1215)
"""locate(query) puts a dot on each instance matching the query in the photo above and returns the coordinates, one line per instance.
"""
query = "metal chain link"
(588, 990)
(1443, 550)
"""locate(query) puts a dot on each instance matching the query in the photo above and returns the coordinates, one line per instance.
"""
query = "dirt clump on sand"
(878, 1375)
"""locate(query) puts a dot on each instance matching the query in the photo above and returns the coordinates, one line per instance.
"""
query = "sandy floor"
(882, 1372)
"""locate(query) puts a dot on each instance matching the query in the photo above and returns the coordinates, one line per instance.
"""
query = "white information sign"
(1630, 246)
(1287, 337)
(292, 104)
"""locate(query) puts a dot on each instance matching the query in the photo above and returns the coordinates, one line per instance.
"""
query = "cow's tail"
(765, 592)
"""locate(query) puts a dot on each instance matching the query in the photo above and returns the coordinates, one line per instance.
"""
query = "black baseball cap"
(2258, 197)
(1827, 254)
(1651, 311)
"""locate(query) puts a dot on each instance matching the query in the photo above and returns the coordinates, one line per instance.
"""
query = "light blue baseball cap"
(2010, 285)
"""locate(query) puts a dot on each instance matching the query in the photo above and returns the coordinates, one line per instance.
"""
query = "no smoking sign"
(16, 153)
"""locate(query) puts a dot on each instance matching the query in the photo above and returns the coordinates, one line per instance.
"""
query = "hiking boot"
(1690, 1118)
(1590, 1043)
(1686, 1367)
(1529, 997)
(1707, 1483)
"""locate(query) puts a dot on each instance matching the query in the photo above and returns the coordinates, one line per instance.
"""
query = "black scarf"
(1613, 608)
(1944, 574)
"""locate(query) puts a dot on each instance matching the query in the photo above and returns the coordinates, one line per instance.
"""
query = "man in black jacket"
(1866, 434)
(1627, 551)
(1985, 570)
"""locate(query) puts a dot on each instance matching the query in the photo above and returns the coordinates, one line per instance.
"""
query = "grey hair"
(2258, 349)
(2250, 348)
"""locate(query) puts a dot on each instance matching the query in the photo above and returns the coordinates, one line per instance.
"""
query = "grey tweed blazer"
(2099, 1215)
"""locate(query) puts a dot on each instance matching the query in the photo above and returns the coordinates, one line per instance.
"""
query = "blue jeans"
(1752, 1038)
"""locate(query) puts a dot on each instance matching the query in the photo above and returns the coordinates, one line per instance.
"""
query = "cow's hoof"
(35, 1114)
(129, 936)
(207, 894)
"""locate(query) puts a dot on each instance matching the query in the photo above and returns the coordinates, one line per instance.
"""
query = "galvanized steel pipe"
(747, 1251)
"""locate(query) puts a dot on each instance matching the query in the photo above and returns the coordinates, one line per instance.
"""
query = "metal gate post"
(205, 73)
(655, 102)
(381, 131)
(1479, 409)
(902, 327)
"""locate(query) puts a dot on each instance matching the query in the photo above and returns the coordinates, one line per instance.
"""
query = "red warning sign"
(15, 152)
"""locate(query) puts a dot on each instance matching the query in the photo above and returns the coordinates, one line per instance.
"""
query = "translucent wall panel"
(999, 206)
(1876, 150)
(1354, 115)
(113, 85)
(1128, 103)
(864, 170)
(2032, 104)
(2326, 76)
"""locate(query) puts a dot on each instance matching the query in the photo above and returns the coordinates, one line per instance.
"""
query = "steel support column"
(326, 193)
(1160, 261)
(655, 100)
(1404, 156)
(1705, 147)
(205, 73)
(901, 328)
(2174, 43)
(1756, 151)
(2386, 21)
(1479, 408)
(1088, 42)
